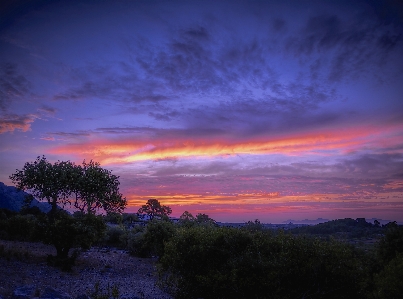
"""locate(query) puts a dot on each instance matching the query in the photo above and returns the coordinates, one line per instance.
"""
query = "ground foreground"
(25, 264)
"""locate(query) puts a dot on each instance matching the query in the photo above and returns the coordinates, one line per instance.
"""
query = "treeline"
(347, 228)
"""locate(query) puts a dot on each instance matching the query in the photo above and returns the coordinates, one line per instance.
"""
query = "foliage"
(211, 262)
(66, 232)
(188, 220)
(92, 186)
(153, 208)
(96, 188)
(204, 219)
(21, 228)
(253, 226)
(46, 181)
(151, 242)
(116, 236)
(129, 218)
(345, 228)
(88, 187)
(113, 218)
(186, 216)
(389, 280)
(391, 243)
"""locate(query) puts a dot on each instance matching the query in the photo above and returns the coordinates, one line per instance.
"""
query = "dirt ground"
(134, 277)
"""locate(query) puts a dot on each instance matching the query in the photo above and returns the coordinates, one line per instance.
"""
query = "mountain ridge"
(12, 198)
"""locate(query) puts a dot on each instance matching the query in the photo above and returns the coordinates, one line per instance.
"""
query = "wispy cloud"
(13, 122)
(152, 144)
(13, 85)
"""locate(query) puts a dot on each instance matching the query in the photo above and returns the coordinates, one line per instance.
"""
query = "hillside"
(13, 199)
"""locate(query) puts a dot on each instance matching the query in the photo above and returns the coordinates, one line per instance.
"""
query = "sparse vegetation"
(199, 259)
(87, 187)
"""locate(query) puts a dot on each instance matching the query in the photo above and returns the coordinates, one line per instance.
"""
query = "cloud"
(346, 46)
(12, 122)
(12, 85)
(66, 136)
(118, 145)
(47, 110)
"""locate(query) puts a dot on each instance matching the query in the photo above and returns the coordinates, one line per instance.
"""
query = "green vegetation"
(87, 187)
(197, 258)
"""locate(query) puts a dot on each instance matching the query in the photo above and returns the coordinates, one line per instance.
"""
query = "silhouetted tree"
(153, 208)
(89, 187)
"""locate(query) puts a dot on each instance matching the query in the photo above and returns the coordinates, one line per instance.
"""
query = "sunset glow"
(122, 152)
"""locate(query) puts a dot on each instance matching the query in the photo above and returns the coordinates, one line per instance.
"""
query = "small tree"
(153, 208)
(88, 187)
(186, 216)
(97, 188)
(67, 232)
(204, 219)
(46, 181)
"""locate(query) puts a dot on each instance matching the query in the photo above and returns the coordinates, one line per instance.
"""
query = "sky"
(242, 110)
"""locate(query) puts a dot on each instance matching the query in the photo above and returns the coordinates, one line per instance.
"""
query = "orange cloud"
(126, 151)
(10, 123)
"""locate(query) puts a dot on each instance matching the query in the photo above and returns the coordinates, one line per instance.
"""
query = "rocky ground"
(25, 264)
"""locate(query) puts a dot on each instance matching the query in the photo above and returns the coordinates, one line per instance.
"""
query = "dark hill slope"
(13, 199)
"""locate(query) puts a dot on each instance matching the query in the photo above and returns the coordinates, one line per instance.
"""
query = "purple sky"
(239, 109)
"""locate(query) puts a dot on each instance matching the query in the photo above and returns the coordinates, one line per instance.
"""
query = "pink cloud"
(12, 122)
(342, 140)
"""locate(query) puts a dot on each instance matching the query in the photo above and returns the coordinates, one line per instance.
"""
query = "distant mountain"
(13, 199)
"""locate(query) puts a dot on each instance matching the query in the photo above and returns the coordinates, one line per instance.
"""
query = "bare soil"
(24, 263)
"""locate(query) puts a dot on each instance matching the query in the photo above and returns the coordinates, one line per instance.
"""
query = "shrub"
(66, 232)
(211, 262)
(389, 281)
(20, 227)
(116, 236)
(151, 242)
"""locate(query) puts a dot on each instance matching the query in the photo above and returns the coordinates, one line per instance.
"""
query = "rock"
(24, 292)
(51, 293)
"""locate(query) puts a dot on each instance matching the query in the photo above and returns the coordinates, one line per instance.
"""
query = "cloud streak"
(13, 122)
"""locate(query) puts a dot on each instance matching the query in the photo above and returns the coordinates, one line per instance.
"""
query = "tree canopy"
(97, 188)
(153, 208)
(88, 186)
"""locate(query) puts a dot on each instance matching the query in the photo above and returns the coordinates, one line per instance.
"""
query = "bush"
(211, 262)
(389, 281)
(116, 236)
(20, 227)
(391, 244)
(151, 241)
(66, 232)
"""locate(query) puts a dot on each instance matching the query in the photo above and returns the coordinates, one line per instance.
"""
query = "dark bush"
(116, 236)
(151, 241)
(389, 282)
(20, 228)
(391, 243)
(209, 262)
